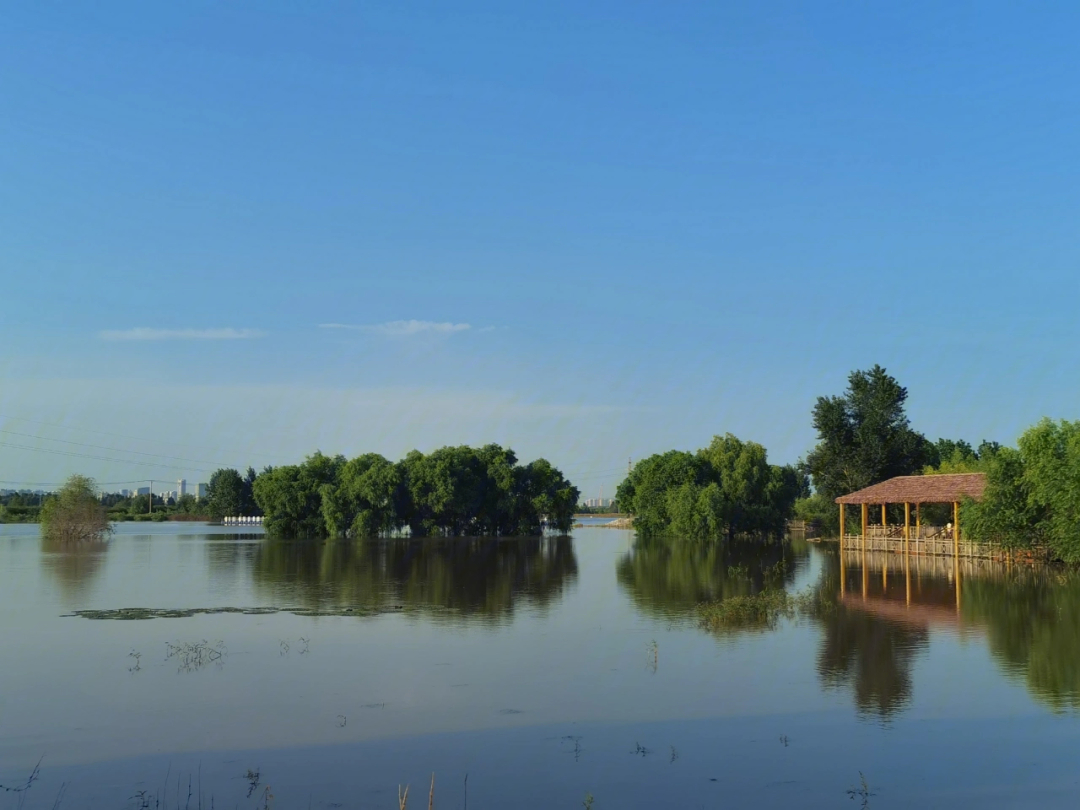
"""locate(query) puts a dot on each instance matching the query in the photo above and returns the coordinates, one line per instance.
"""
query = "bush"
(75, 514)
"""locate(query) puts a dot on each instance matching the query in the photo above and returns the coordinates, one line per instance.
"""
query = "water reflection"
(485, 579)
(871, 638)
(74, 566)
(1032, 623)
(886, 606)
(670, 578)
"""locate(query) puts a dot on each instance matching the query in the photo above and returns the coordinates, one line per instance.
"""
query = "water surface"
(542, 668)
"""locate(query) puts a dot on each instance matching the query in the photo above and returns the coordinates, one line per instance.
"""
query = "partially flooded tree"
(75, 514)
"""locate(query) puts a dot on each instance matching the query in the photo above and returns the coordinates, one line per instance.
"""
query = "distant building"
(142, 491)
(201, 491)
(181, 488)
(599, 503)
(125, 493)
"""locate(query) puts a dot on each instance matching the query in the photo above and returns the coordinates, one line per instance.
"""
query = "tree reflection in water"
(1032, 622)
(74, 566)
(670, 577)
(464, 578)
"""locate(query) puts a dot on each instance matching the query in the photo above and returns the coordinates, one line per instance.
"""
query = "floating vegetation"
(252, 777)
(140, 614)
(862, 792)
(576, 741)
(194, 655)
(22, 787)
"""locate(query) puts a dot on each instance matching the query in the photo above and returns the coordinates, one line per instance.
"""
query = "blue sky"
(590, 231)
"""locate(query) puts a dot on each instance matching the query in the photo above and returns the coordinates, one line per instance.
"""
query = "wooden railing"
(934, 541)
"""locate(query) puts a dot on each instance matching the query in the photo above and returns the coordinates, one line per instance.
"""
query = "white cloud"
(402, 328)
(145, 333)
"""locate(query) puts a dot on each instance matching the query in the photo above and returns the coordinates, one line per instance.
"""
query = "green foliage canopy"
(229, 494)
(864, 436)
(453, 491)
(728, 488)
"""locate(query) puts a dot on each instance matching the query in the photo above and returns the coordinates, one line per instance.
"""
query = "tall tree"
(225, 494)
(291, 496)
(864, 436)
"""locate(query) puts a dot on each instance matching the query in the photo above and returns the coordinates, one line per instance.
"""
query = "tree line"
(451, 492)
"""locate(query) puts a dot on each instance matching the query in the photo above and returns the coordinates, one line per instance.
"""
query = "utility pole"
(151, 497)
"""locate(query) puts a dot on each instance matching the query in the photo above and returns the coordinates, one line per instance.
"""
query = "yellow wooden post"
(842, 510)
(883, 520)
(843, 568)
(956, 528)
(956, 551)
(865, 576)
(865, 518)
(907, 523)
(907, 577)
(918, 521)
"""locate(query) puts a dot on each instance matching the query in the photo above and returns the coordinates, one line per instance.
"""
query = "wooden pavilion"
(914, 489)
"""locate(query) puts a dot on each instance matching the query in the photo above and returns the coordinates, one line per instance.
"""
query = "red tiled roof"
(921, 489)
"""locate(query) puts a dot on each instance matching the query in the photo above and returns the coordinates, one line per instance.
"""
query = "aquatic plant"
(758, 611)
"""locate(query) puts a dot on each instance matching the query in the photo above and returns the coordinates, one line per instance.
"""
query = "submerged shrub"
(75, 514)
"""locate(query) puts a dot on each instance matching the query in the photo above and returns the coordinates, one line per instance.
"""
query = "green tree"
(864, 436)
(366, 500)
(75, 513)
(544, 497)
(226, 495)
(291, 496)
(187, 504)
(1051, 457)
(1007, 515)
(645, 492)
(728, 488)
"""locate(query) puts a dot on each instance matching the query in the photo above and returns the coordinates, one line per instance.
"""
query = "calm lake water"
(541, 669)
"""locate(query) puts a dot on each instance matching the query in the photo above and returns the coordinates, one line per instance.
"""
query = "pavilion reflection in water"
(908, 588)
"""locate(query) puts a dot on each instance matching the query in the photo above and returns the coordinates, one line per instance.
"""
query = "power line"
(121, 435)
(61, 483)
(103, 458)
(111, 449)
